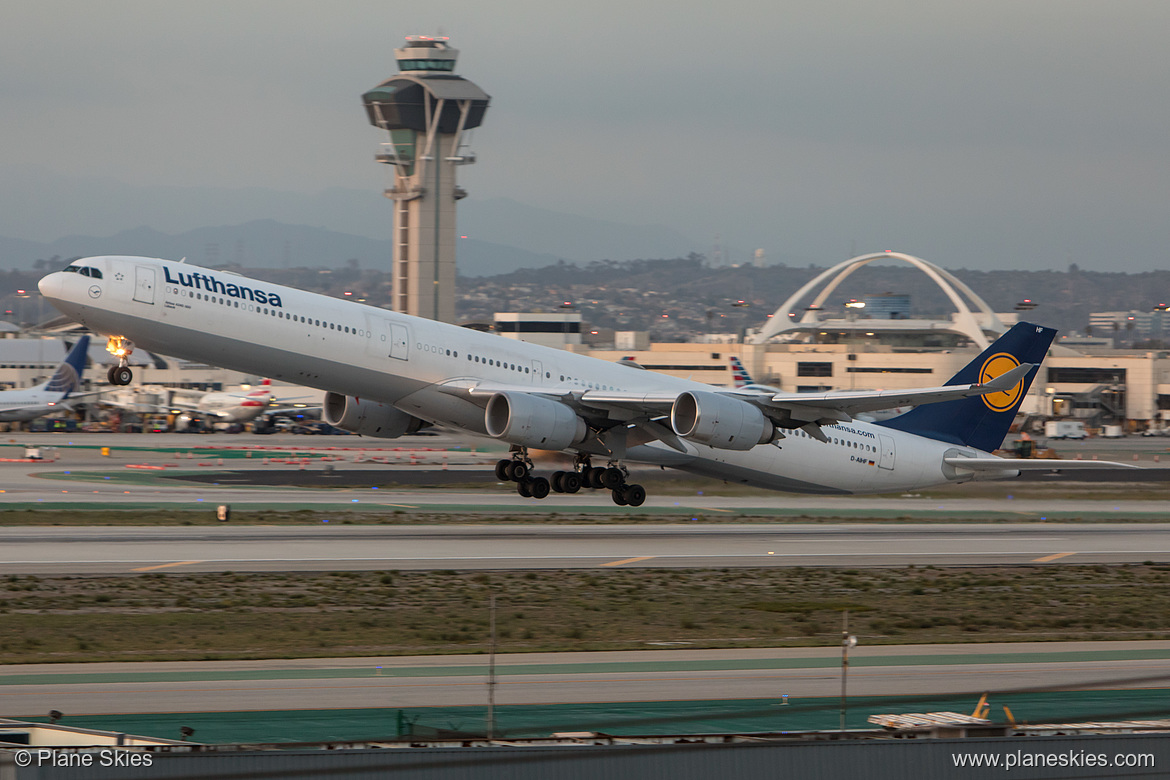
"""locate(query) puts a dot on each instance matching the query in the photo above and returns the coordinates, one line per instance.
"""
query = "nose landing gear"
(121, 348)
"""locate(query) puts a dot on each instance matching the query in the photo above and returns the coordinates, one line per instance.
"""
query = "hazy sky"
(1002, 133)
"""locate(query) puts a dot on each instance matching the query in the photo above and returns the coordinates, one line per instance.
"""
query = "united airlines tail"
(67, 378)
(982, 421)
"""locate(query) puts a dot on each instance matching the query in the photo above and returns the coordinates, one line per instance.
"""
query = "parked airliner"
(225, 407)
(47, 397)
(388, 374)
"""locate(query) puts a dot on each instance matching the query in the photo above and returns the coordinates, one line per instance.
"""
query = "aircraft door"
(144, 279)
(886, 445)
(399, 341)
(537, 373)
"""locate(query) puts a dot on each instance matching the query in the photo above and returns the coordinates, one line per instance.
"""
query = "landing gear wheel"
(634, 495)
(110, 375)
(518, 470)
(618, 498)
(591, 477)
(524, 488)
(570, 482)
(612, 478)
(557, 481)
(122, 375)
(502, 470)
(538, 487)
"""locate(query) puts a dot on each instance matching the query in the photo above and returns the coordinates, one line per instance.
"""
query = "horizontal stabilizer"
(1006, 464)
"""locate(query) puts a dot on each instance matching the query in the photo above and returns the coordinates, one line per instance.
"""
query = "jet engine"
(368, 418)
(532, 421)
(719, 421)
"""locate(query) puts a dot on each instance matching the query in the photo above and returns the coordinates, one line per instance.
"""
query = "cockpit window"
(84, 270)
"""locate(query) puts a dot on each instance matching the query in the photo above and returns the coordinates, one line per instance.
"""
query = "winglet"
(1008, 380)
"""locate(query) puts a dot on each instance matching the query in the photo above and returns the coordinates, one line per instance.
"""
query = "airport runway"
(550, 678)
(122, 550)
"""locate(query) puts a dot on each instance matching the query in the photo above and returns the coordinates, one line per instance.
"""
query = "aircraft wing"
(647, 411)
(851, 403)
(80, 396)
(1008, 464)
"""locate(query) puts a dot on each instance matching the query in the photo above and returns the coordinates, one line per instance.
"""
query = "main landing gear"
(518, 469)
(120, 348)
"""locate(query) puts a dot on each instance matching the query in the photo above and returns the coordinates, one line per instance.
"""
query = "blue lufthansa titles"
(213, 285)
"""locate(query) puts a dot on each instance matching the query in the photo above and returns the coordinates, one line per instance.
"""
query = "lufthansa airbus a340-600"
(388, 374)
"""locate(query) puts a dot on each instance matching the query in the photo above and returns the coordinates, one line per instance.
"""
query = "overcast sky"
(999, 134)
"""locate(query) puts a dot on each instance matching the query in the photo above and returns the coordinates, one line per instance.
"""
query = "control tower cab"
(427, 110)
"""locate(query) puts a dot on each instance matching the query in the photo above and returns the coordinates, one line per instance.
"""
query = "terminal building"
(818, 347)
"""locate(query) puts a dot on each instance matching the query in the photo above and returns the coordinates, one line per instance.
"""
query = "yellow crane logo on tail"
(997, 364)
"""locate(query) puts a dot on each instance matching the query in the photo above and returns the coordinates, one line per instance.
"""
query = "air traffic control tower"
(427, 111)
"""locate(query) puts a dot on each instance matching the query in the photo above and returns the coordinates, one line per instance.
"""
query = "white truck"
(1064, 429)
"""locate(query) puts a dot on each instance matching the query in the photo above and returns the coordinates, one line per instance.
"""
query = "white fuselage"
(232, 407)
(29, 404)
(353, 349)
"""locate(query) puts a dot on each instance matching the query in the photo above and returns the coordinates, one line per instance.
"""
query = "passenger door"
(886, 457)
(399, 341)
(144, 280)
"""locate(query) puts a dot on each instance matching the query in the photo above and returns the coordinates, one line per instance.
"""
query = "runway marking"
(1054, 557)
(404, 506)
(713, 509)
(166, 565)
(629, 560)
(874, 675)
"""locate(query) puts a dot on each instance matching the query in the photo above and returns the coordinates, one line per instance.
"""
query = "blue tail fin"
(67, 378)
(982, 421)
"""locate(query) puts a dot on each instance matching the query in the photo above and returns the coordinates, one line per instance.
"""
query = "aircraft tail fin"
(739, 375)
(982, 421)
(67, 378)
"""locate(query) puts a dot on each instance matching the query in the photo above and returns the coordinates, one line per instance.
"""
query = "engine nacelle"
(368, 418)
(719, 421)
(532, 421)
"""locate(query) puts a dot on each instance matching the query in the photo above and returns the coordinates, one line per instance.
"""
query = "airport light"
(847, 641)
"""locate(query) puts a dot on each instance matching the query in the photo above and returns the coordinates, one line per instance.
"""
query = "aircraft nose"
(50, 286)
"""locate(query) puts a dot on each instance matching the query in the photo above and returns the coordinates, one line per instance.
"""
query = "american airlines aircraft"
(223, 407)
(388, 374)
(47, 397)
